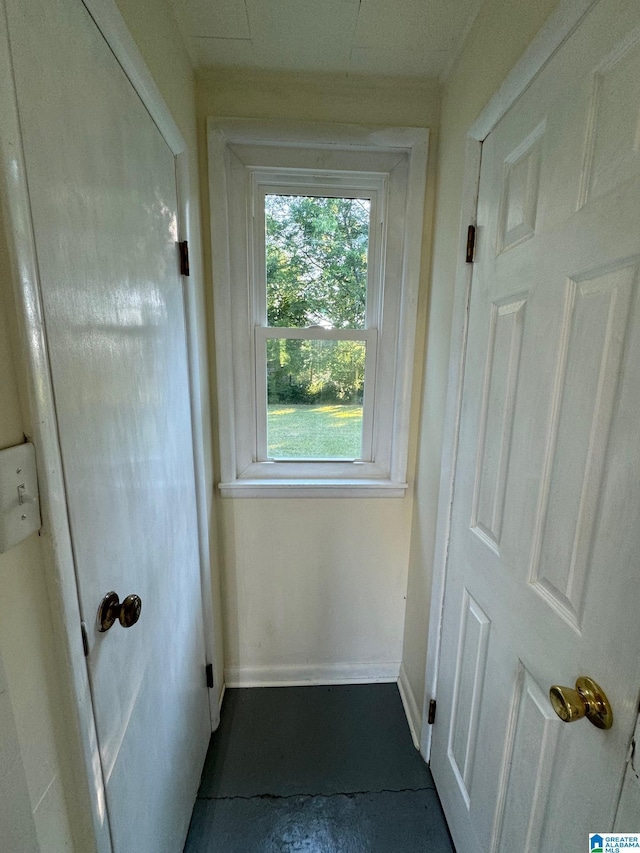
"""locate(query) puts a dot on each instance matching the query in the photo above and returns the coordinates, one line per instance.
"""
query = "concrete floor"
(316, 769)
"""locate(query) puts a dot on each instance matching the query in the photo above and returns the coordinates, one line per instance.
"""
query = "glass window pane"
(316, 256)
(314, 399)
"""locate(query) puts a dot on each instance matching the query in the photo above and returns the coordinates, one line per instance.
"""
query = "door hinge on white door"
(85, 639)
(209, 671)
(431, 717)
(184, 257)
(471, 244)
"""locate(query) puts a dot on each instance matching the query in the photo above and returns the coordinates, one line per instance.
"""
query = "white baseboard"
(411, 709)
(290, 675)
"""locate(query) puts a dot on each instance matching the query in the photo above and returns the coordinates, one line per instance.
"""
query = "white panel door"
(102, 186)
(544, 569)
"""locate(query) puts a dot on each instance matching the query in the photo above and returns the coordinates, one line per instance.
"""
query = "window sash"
(371, 187)
(265, 333)
(368, 187)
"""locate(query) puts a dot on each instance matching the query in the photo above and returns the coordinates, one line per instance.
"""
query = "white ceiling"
(414, 38)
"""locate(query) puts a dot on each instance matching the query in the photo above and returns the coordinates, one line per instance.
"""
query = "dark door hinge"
(85, 639)
(432, 712)
(209, 671)
(184, 257)
(471, 243)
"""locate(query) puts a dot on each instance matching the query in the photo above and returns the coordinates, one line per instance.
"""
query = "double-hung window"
(317, 261)
(316, 257)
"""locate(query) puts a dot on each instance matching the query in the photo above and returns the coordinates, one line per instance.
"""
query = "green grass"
(314, 432)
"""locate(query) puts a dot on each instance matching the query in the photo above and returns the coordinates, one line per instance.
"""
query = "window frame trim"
(228, 143)
(373, 187)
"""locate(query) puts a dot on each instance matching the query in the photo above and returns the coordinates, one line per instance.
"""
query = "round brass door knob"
(588, 700)
(111, 610)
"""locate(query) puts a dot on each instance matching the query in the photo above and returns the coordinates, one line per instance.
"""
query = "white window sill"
(306, 488)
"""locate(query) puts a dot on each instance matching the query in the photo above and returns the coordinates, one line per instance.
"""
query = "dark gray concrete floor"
(316, 769)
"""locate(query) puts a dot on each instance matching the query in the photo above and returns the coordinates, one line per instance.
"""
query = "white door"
(543, 578)
(102, 185)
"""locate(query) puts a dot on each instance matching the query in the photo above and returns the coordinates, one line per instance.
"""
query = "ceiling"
(409, 38)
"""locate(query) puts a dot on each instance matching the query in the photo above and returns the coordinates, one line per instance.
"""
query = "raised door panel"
(585, 389)
(612, 151)
(527, 768)
(496, 428)
(469, 682)
(520, 190)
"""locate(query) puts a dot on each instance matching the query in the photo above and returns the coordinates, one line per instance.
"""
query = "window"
(316, 236)
(316, 283)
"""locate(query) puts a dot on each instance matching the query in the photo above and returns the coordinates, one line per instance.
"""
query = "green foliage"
(315, 371)
(316, 261)
(316, 256)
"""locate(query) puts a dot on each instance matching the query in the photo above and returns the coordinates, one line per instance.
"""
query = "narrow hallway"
(323, 769)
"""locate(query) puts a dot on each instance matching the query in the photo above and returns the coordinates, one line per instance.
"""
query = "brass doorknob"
(110, 610)
(588, 700)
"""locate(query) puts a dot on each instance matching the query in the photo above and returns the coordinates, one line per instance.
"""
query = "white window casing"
(247, 160)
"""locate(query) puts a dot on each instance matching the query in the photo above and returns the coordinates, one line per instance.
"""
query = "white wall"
(499, 36)
(27, 646)
(315, 588)
(16, 817)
